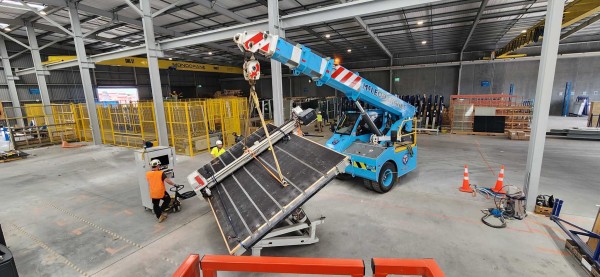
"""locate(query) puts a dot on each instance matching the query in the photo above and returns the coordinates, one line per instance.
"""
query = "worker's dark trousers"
(158, 209)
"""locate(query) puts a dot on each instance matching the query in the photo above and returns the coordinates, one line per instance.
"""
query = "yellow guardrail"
(193, 126)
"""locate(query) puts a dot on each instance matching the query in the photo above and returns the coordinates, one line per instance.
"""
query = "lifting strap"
(254, 99)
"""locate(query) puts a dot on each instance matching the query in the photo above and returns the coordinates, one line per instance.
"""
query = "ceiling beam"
(373, 35)
(213, 5)
(110, 15)
(475, 22)
(295, 20)
(54, 29)
(581, 26)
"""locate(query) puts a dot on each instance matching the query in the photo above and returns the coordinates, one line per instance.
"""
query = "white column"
(153, 70)
(391, 76)
(10, 80)
(543, 94)
(40, 73)
(276, 81)
(84, 70)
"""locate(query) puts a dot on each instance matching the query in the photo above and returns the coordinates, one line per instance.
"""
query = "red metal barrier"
(211, 264)
(422, 267)
(189, 268)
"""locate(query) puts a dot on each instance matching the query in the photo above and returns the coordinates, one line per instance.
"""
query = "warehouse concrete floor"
(73, 212)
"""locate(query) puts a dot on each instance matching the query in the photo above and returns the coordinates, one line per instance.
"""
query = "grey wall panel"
(2, 77)
(56, 77)
(22, 61)
(24, 95)
(303, 88)
(73, 76)
(415, 81)
(380, 78)
(143, 79)
(582, 72)
(144, 92)
(28, 79)
(4, 96)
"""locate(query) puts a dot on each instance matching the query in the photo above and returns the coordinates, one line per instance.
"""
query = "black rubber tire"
(343, 176)
(379, 186)
(368, 184)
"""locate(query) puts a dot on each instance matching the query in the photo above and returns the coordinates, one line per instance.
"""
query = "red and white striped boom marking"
(347, 77)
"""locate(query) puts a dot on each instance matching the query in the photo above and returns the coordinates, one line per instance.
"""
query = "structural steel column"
(84, 70)
(152, 52)
(40, 73)
(10, 80)
(391, 76)
(543, 94)
(276, 82)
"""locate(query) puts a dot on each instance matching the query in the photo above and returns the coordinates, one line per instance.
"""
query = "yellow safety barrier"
(36, 125)
(193, 126)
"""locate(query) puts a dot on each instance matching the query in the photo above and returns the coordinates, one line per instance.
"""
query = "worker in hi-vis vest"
(319, 125)
(156, 183)
(217, 150)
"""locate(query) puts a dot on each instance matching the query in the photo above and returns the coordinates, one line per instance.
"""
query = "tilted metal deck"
(250, 202)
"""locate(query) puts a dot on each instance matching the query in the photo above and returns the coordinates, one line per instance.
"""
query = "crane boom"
(380, 141)
(323, 71)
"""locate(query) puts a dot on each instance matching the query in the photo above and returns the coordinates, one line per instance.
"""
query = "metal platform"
(249, 203)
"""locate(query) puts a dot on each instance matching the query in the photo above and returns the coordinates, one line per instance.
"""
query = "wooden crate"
(572, 247)
(542, 210)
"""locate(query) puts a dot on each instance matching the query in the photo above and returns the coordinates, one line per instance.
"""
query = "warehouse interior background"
(85, 218)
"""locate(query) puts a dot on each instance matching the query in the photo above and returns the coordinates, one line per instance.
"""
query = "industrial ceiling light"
(327, 36)
(210, 53)
(7, 29)
(424, 42)
(524, 31)
(170, 59)
(43, 13)
(420, 22)
(349, 50)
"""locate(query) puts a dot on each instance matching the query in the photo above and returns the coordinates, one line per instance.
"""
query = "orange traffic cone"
(466, 187)
(499, 182)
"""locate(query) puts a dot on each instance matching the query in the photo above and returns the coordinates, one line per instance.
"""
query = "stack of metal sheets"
(589, 133)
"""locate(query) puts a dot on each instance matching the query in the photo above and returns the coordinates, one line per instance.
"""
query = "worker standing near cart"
(319, 122)
(217, 150)
(156, 183)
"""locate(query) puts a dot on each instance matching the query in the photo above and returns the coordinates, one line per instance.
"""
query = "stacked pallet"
(516, 110)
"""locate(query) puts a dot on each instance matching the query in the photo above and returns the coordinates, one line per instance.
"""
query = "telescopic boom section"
(323, 71)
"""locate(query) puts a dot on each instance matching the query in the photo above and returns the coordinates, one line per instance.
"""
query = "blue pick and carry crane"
(380, 140)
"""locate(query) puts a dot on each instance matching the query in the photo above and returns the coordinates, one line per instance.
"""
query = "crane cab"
(379, 163)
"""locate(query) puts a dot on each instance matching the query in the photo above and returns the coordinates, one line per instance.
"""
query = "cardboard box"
(593, 114)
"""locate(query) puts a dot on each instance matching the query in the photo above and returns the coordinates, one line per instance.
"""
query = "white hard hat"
(154, 163)
(219, 142)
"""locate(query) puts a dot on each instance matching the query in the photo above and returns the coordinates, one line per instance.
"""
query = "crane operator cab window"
(347, 123)
(363, 127)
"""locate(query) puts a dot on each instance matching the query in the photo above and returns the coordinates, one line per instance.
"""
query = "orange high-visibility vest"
(155, 184)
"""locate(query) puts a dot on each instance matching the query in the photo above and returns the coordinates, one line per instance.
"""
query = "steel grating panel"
(248, 203)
